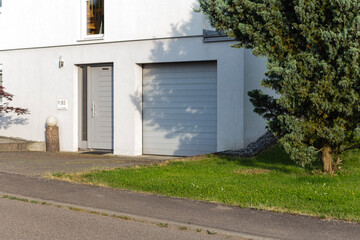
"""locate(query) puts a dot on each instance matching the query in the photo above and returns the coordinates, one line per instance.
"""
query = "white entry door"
(100, 108)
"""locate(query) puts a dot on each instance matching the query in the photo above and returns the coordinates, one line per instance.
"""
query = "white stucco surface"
(136, 33)
(40, 83)
(50, 23)
(254, 72)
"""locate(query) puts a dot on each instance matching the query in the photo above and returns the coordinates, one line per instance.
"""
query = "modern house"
(134, 77)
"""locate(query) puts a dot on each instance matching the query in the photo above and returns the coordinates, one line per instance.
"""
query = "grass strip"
(269, 181)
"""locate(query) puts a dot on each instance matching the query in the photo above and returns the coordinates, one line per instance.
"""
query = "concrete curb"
(138, 218)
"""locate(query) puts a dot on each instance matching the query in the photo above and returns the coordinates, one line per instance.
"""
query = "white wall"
(37, 23)
(255, 69)
(35, 33)
(37, 82)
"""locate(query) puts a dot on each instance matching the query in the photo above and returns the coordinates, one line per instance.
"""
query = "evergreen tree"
(313, 53)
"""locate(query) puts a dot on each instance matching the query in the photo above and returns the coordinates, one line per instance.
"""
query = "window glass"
(0, 3)
(95, 17)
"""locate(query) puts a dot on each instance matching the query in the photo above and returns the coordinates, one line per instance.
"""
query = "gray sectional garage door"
(180, 108)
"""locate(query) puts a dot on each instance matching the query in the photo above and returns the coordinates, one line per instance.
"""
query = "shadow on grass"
(273, 158)
(351, 159)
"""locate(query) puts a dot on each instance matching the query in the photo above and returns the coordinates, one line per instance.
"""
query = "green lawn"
(269, 181)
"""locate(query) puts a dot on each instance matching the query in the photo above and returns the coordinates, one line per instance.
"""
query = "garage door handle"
(93, 109)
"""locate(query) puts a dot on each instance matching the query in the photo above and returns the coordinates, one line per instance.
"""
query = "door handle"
(93, 109)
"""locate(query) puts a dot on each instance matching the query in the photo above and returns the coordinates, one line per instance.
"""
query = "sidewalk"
(241, 222)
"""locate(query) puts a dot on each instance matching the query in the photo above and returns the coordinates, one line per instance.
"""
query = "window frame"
(84, 36)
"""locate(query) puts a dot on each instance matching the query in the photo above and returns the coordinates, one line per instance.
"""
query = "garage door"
(180, 108)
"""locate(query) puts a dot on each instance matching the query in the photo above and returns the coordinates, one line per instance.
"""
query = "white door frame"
(86, 144)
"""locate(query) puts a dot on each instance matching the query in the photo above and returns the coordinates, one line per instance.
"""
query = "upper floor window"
(94, 17)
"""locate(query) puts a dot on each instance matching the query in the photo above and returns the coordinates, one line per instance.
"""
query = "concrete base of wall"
(20, 145)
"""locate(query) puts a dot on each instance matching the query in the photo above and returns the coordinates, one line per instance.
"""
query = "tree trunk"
(327, 160)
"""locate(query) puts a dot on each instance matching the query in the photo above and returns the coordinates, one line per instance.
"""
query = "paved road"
(21, 220)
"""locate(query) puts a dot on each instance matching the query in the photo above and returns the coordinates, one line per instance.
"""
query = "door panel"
(101, 108)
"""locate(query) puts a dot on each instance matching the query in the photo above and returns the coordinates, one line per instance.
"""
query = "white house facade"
(134, 77)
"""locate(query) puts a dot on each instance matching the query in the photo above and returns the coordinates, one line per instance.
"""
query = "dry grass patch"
(254, 171)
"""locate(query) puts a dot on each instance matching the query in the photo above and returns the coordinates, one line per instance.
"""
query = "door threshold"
(96, 151)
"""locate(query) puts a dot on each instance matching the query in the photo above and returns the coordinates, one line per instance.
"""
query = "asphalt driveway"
(43, 163)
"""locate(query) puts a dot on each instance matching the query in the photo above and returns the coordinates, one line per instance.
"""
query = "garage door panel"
(181, 117)
(178, 81)
(188, 102)
(180, 122)
(179, 152)
(177, 99)
(168, 87)
(162, 124)
(172, 142)
(180, 108)
(166, 134)
(180, 128)
(175, 68)
(180, 105)
(188, 111)
(174, 73)
(181, 145)
(189, 143)
(174, 92)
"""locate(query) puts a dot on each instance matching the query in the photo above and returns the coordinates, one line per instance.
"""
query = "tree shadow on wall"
(178, 102)
(7, 121)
